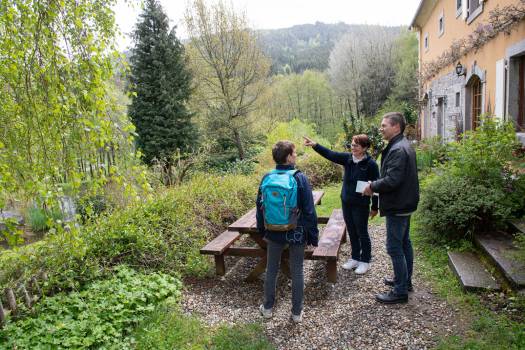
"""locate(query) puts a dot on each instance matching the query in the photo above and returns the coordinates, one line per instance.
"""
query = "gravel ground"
(343, 315)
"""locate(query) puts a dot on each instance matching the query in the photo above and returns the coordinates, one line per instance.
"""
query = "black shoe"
(390, 282)
(392, 298)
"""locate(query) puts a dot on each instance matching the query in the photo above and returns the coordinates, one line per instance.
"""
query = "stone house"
(472, 62)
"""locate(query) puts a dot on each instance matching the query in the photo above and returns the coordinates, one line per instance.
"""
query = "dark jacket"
(306, 231)
(365, 170)
(398, 186)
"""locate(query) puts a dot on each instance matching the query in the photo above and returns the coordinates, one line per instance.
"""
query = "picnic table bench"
(331, 237)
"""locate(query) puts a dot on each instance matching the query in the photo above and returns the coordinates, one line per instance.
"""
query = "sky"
(273, 14)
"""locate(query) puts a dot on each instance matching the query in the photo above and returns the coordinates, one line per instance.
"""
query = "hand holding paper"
(367, 191)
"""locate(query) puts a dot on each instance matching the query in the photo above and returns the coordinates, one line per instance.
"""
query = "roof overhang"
(423, 12)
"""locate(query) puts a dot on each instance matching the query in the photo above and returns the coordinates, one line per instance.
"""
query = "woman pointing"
(359, 166)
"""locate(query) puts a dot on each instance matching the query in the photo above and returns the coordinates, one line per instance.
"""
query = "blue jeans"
(399, 247)
(274, 251)
(356, 220)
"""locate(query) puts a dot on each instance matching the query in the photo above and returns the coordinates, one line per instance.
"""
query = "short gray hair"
(396, 118)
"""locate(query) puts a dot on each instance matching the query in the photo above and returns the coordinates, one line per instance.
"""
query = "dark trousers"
(356, 220)
(399, 247)
(274, 251)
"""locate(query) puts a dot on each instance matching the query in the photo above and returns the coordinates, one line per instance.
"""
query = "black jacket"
(398, 186)
(365, 170)
(306, 231)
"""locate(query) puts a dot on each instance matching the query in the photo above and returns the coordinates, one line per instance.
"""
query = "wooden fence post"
(2, 315)
(35, 288)
(11, 301)
(27, 297)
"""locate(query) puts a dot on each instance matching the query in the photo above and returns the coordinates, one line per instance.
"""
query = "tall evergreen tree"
(161, 83)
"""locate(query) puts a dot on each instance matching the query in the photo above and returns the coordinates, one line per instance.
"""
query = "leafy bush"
(99, 316)
(319, 171)
(91, 206)
(476, 189)
(164, 233)
(292, 131)
(368, 126)
(431, 152)
(456, 206)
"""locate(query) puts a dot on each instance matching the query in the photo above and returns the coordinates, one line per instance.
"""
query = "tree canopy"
(58, 123)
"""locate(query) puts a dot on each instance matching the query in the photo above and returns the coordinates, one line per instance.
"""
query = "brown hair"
(281, 150)
(362, 140)
(396, 118)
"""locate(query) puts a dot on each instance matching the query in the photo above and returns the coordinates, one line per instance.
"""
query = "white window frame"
(459, 9)
(441, 24)
(472, 16)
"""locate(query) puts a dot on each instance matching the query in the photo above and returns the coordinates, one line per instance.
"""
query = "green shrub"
(431, 152)
(476, 190)
(319, 171)
(91, 206)
(360, 125)
(10, 232)
(99, 316)
(164, 233)
(292, 131)
(454, 206)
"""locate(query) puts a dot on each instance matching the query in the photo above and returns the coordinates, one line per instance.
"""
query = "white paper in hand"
(361, 185)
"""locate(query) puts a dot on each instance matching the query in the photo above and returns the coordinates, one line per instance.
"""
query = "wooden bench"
(330, 241)
(218, 246)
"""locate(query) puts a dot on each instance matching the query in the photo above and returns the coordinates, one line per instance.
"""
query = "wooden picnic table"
(331, 237)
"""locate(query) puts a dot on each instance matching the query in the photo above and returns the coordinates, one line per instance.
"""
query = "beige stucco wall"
(457, 28)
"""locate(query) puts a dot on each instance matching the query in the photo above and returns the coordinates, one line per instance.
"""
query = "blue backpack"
(279, 200)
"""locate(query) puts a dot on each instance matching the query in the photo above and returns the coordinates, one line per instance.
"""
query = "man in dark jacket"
(306, 232)
(398, 188)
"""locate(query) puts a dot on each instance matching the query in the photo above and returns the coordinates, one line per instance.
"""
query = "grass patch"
(489, 330)
(169, 328)
(332, 200)
(247, 337)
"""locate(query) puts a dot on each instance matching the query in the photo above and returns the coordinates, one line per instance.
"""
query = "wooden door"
(476, 102)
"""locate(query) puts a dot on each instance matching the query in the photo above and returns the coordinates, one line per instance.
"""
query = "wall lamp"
(460, 70)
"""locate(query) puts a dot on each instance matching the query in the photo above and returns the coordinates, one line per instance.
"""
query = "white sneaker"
(266, 313)
(350, 264)
(298, 318)
(362, 268)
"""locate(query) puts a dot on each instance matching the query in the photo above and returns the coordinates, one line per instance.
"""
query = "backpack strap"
(294, 172)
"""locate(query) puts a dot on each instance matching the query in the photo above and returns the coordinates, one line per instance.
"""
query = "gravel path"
(343, 315)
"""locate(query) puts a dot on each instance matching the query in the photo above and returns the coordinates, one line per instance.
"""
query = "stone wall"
(444, 113)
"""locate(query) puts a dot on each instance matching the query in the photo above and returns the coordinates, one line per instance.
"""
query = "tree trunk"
(166, 169)
(238, 142)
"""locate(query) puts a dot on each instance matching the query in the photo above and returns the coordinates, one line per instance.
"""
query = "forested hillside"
(308, 46)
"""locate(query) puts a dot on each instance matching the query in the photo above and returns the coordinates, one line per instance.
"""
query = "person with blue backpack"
(286, 218)
(358, 166)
